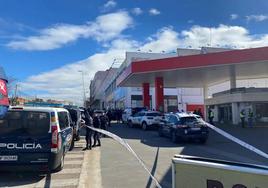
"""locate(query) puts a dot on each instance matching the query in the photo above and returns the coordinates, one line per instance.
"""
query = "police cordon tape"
(238, 141)
(127, 146)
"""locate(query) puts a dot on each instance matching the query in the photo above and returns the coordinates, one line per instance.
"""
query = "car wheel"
(144, 126)
(130, 123)
(160, 132)
(61, 165)
(203, 140)
(174, 137)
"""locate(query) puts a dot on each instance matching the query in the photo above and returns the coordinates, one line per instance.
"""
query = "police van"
(35, 138)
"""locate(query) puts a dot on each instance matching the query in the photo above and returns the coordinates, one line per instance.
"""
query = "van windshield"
(22, 123)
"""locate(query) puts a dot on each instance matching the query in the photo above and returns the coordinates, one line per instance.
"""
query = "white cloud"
(234, 16)
(257, 18)
(109, 5)
(166, 39)
(154, 12)
(222, 36)
(66, 82)
(137, 11)
(102, 29)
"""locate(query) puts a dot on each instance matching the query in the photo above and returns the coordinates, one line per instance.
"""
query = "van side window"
(63, 120)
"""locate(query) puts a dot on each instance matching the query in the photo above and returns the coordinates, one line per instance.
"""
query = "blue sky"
(43, 44)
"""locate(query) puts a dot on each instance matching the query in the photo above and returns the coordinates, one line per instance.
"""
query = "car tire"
(203, 140)
(144, 126)
(160, 132)
(130, 124)
(61, 165)
(174, 138)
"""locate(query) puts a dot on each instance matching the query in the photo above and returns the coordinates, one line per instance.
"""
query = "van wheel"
(130, 123)
(61, 165)
(144, 126)
(203, 140)
(160, 132)
(174, 137)
(72, 145)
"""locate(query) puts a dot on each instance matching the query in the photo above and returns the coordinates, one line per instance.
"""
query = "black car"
(34, 138)
(182, 126)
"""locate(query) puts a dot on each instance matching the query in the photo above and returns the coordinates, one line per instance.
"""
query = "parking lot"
(111, 165)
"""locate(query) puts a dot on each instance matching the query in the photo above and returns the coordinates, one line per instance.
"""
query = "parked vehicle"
(76, 118)
(35, 138)
(130, 112)
(145, 119)
(183, 126)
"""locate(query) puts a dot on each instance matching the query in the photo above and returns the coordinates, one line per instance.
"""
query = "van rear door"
(25, 137)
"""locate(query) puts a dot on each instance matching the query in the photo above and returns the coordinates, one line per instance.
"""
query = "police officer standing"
(96, 124)
(210, 116)
(250, 118)
(103, 121)
(89, 132)
(242, 118)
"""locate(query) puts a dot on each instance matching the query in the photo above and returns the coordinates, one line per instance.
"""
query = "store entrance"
(225, 113)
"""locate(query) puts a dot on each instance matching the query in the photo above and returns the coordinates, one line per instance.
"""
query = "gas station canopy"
(198, 70)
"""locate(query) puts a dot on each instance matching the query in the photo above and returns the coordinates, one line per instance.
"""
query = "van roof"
(37, 109)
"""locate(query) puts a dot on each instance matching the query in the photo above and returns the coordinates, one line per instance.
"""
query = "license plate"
(195, 129)
(8, 157)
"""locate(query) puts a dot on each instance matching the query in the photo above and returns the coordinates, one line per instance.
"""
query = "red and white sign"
(3, 93)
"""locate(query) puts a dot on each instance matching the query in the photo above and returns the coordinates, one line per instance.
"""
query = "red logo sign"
(3, 93)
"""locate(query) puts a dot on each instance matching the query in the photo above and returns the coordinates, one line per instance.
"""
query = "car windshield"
(17, 123)
(153, 114)
(189, 120)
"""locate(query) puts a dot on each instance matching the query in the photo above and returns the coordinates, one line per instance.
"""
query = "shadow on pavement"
(148, 137)
(153, 169)
(13, 179)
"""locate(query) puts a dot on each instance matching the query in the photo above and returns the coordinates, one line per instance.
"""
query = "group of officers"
(96, 120)
(242, 117)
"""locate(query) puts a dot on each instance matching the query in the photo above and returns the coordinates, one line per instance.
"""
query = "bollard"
(4, 102)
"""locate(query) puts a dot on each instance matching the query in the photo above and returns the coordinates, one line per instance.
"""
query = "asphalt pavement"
(120, 169)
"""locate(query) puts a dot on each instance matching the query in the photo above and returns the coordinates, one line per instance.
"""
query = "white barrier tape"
(127, 146)
(238, 141)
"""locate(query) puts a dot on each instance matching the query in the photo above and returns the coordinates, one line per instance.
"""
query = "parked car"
(145, 119)
(35, 138)
(183, 126)
(76, 118)
(130, 112)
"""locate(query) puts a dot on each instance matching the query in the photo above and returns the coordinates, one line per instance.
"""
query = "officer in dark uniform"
(89, 132)
(96, 135)
(103, 121)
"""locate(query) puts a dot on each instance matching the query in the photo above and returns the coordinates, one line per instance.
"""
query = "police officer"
(96, 135)
(210, 116)
(250, 118)
(88, 123)
(242, 118)
(103, 121)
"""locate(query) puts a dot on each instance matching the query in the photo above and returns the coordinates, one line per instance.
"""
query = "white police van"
(35, 138)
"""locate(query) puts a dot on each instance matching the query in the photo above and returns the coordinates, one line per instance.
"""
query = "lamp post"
(83, 81)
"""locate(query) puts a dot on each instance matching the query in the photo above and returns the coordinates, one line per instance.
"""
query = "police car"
(35, 138)
(184, 126)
